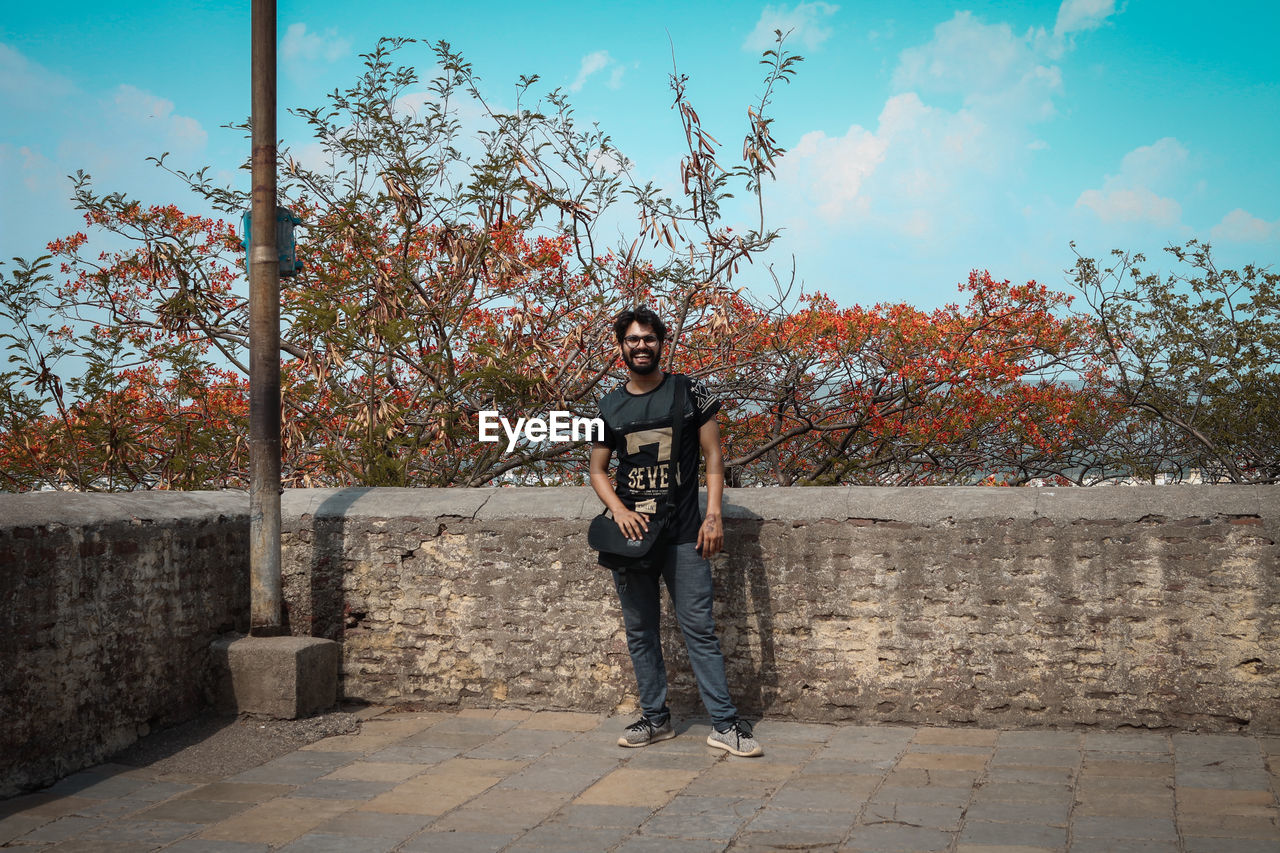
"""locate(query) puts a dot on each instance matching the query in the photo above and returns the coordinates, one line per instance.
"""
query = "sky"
(925, 140)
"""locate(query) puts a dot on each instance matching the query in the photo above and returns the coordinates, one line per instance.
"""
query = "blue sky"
(925, 139)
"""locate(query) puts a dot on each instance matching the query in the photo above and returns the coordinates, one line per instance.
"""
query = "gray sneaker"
(736, 740)
(643, 732)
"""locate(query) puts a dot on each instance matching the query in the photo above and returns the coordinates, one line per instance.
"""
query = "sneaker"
(643, 732)
(737, 740)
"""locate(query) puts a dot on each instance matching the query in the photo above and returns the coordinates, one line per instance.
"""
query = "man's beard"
(647, 367)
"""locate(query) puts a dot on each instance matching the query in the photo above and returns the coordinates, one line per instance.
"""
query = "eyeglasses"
(636, 340)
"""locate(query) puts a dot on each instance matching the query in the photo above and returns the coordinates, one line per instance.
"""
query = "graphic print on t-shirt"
(638, 428)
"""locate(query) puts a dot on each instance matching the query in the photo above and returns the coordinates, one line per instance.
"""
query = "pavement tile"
(1127, 742)
(60, 829)
(276, 822)
(661, 758)
(238, 792)
(423, 756)
(658, 844)
(1127, 769)
(47, 806)
(550, 837)
(531, 802)
(375, 771)
(1041, 739)
(1236, 780)
(920, 777)
(562, 721)
(1230, 826)
(943, 761)
(430, 794)
(193, 811)
(772, 818)
(104, 788)
(1196, 844)
(930, 815)
(1048, 814)
(15, 826)
(468, 818)
(201, 845)
(375, 824)
(554, 774)
(716, 824)
(1004, 848)
(628, 787)
(319, 842)
(94, 845)
(141, 832)
(1269, 745)
(1020, 792)
(457, 842)
(771, 841)
(824, 764)
(1123, 785)
(1225, 801)
(820, 799)
(1190, 743)
(930, 794)
(1122, 845)
(799, 734)
(1023, 834)
(955, 737)
(342, 789)
(576, 814)
(1017, 756)
(1154, 829)
(521, 744)
(1038, 775)
(1124, 805)
(471, 724)
(894, 837)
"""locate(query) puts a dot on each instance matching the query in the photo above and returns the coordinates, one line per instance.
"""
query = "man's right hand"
(632, 524)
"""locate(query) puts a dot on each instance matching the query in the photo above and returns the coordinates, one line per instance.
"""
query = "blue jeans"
(688, 578)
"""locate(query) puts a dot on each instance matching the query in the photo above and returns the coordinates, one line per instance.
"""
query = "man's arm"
(711, 534)
(631, 523)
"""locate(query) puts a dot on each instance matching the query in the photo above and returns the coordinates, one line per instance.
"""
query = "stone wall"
(108, 605)
(1002, 607)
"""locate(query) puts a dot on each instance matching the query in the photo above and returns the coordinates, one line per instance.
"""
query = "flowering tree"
(454, 268)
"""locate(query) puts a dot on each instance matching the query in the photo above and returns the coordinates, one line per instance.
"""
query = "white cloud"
(1240, 226)
(28, 85)
(1079, 15)
(1134, 194)
(156, 116)
(988, 65)
(806, 23)
(593, 63)
(1137, 204)
(300, 45)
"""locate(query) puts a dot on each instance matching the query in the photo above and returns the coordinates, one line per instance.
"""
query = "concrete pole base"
(281, 677)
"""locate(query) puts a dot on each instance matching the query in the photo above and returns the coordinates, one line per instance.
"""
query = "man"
(638, 426)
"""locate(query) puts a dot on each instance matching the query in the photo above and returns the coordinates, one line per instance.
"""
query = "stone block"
(281, 677)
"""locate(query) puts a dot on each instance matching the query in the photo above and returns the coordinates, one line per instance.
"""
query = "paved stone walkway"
(550, 781)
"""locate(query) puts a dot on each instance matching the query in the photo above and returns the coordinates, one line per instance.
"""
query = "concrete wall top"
(83, 508)
(916, 505)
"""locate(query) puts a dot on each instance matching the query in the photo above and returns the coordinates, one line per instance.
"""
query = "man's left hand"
(711, 536)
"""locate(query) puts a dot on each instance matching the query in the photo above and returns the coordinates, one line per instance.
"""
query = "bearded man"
(638, 427)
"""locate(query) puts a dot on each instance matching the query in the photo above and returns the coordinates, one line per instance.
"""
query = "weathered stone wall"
(1111, 606)
(108, 605)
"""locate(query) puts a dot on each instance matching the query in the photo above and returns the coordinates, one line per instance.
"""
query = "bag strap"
(678, 397)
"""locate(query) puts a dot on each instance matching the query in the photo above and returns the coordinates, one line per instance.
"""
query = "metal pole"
(264, 337)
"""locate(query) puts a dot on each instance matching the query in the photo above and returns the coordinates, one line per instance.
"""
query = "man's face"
(641, 349)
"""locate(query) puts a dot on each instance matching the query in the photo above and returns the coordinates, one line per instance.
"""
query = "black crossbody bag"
(644, 555)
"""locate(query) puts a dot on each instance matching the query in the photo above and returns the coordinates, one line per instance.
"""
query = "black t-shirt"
(638, 428)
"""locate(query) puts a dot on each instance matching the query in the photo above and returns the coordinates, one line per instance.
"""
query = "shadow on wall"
(325, 594)
(744, 623)
(746, 614)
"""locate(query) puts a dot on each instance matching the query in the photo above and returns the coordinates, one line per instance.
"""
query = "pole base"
(281, 677)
